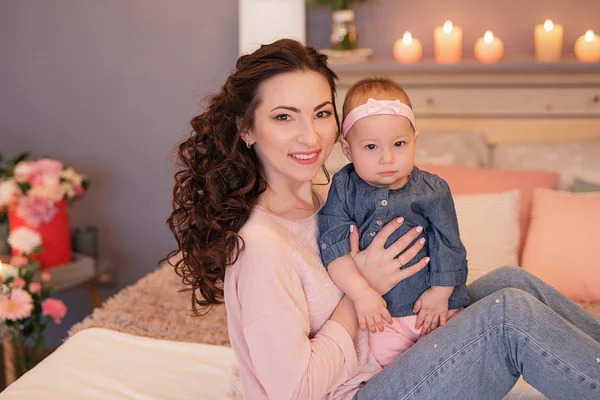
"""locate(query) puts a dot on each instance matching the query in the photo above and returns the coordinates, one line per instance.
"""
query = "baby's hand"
(371, 311)
(432, 307)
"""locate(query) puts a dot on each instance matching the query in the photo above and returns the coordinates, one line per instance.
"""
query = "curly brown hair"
(220, 179)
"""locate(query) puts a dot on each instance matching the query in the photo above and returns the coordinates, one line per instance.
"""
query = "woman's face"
(294, 126)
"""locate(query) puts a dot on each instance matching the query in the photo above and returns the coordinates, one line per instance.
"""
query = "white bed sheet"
(104, 364)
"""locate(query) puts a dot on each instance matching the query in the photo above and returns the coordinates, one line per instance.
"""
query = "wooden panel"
(517, 130)
(506, 101)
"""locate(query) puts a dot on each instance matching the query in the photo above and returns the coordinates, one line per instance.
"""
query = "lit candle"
(447, 43)
(489, 49)
(7, 271)
(408, 50)
(587, 47)
(548, 42)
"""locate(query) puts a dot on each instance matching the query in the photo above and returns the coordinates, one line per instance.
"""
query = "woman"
(245, 221)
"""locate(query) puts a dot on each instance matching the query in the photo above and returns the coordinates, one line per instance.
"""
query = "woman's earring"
(248, 145)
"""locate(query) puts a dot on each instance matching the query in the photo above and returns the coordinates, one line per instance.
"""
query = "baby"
(382, 183)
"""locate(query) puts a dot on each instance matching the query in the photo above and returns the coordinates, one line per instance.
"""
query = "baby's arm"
(448, 266)
(370, 307)
(335, 220)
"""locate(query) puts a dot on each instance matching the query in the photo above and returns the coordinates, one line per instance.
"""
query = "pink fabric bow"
(375, 106)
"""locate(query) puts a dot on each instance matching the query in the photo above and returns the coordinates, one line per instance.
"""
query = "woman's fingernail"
(419, 229)
(427, 260)
(351, 228)
(422, 240)
(400, 220)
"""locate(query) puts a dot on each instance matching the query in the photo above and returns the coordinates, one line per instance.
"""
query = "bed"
(144, 342)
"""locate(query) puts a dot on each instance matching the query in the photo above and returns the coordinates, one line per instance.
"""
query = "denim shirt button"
(323, 246)
(372, 233)
(379, 222)
(384, 203)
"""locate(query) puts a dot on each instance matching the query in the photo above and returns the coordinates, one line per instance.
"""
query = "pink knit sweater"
(279, 299)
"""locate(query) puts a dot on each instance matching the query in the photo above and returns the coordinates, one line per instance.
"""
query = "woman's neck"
(290, 201)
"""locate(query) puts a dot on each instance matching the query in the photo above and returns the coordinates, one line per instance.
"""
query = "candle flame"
(447, 27)
(407, 38)
(589, 35)
(548, 25)
(488, 37)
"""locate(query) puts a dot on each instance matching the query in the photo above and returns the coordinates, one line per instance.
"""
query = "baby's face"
(382, 149)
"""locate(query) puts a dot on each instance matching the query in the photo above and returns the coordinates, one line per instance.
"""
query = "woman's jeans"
(517, 325)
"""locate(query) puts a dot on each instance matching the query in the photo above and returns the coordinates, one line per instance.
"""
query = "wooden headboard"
(518, 101)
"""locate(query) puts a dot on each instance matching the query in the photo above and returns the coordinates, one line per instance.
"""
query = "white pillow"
(489, 230)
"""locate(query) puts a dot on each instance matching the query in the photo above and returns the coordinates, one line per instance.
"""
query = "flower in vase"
(54, 309)
(24, 240)
(19, 261)
(36, 210)
(19, 283)
(72, 183)
(46, 173)
(35, 287)
(46, 276)
(24, 170)
(17, 305)
(9, 192)
(53, 193)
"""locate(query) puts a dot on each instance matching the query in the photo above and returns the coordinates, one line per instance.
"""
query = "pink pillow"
(562, 243)
(473, 180)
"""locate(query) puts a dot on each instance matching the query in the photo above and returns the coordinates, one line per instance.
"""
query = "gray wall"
(381, 22)
(109, 87)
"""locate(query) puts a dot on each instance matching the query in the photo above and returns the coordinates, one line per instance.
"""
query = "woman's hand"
(378, 265)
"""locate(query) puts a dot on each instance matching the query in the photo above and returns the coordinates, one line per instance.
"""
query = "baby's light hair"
(376, 88)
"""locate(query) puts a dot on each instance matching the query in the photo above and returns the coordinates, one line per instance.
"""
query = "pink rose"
(46, 172)
(18, 261)
(54, 309)
(19, 283)
(35, 287)
(46, 276)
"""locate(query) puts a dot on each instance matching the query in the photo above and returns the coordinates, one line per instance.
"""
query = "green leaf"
(19, 158)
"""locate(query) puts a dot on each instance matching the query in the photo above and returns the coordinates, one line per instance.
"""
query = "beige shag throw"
(155, 308)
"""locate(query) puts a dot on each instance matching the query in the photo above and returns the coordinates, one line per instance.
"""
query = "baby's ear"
(346, 149)
(417, 133)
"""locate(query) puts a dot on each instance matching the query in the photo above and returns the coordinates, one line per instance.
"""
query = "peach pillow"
(474, 180)
(562, 243)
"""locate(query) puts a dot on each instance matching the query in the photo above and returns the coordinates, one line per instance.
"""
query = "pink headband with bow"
(378, 107)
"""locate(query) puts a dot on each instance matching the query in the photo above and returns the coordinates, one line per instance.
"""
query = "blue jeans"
(517, 325)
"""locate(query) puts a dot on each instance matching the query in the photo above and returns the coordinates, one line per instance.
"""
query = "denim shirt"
(424, 201)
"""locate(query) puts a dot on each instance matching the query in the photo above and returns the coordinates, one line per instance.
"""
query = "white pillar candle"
(447, 43)
(489, 49)
(548, 42)
(587, 47)
(408, 50)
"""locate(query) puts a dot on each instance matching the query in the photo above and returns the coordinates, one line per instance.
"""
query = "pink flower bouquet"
(34, 188)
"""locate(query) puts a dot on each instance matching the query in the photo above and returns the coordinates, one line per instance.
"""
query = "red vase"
(56, 237)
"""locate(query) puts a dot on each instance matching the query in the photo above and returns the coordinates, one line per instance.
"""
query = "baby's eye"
(282, 117)
(323, 114)
(400, 143)
(370, 146)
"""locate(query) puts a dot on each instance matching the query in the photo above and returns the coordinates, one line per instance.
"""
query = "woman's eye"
(323, 114)
(399, 143)
(370, 146)
(283, 117)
